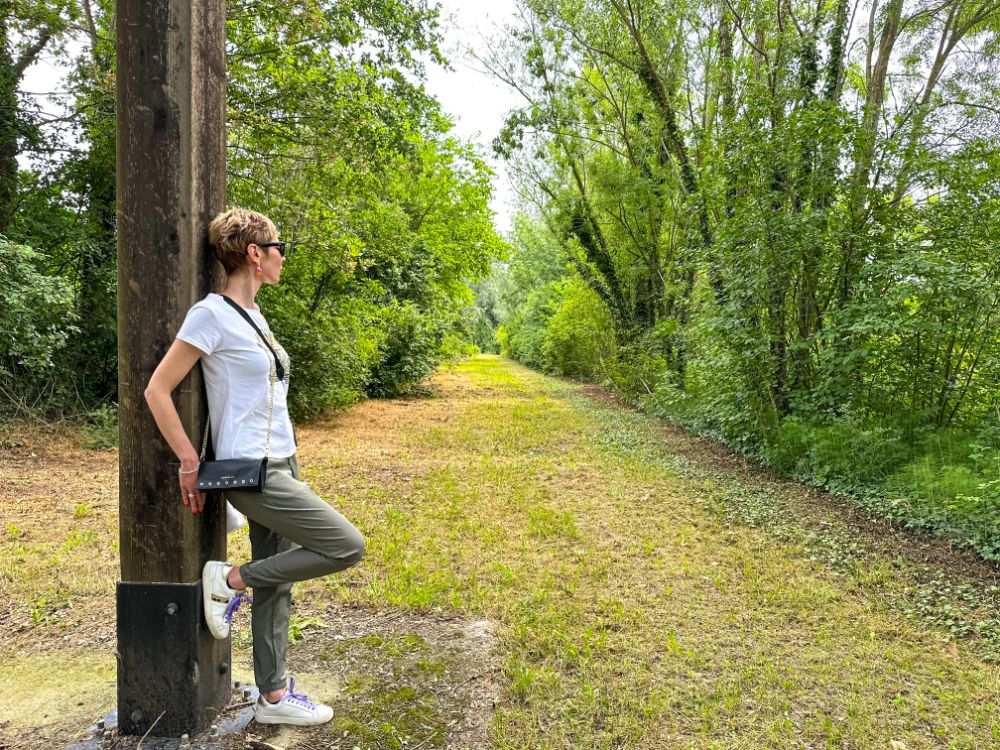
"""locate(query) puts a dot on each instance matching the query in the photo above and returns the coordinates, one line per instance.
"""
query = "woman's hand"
(187, 477)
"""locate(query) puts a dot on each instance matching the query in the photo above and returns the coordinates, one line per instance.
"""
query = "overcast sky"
(477, 102)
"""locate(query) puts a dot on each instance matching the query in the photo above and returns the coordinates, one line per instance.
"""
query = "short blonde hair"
(232, 231)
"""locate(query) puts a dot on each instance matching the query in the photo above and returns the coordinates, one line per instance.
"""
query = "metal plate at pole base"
(103, 734)
(173, 676)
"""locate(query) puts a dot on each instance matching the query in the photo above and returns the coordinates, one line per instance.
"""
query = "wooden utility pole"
(171, 181)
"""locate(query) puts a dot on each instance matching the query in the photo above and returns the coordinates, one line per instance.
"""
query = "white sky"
(477, 102)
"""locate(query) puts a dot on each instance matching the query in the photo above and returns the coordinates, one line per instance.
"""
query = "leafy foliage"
(332, 135)
(789, 224)
(37, 320)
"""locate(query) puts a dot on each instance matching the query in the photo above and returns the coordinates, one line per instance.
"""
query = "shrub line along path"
(545, 569)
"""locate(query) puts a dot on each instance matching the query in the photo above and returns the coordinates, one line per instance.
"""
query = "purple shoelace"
(292, 695)
(234, 604)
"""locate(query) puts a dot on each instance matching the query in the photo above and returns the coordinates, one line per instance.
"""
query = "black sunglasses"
(280, 245)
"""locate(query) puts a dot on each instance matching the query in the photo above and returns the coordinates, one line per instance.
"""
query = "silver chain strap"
(272, 377)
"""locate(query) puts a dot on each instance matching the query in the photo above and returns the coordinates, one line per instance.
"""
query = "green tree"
(331, 134)
(786, 208)
(27, 28)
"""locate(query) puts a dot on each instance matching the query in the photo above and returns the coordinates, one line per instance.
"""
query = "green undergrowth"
(942, 480)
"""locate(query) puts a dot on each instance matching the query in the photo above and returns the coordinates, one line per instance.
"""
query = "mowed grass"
(630, 612)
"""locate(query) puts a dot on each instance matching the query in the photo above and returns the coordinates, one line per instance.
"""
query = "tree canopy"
(331, 133)
(786, 209)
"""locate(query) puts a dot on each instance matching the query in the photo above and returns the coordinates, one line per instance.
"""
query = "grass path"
(640, 598)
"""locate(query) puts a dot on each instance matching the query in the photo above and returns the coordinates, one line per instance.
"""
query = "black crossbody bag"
(244, 474)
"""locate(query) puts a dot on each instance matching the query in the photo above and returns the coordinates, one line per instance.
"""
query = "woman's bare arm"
(175, 365)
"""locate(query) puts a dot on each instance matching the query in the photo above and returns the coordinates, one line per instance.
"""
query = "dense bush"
(522, 335)
(580, 335)
(332, 351)
(561, 328)
(852, 455)
(408, 353)
(37, 320)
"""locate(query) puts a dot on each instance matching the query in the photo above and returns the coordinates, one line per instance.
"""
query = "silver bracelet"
(189, 471)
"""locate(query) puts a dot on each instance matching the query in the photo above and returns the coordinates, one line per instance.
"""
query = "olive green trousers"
(294, 535)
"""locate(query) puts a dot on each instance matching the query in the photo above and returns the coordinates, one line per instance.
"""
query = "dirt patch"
(394, 678)
(406, 679)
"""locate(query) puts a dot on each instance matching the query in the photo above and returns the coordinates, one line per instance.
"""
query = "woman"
(294, 534)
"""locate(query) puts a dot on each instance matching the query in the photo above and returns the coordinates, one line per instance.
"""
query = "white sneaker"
(221, 601)
(292, 709)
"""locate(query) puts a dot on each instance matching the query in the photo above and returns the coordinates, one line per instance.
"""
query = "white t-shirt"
(237, 367)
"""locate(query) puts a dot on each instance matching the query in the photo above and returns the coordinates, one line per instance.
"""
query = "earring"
(259, 270)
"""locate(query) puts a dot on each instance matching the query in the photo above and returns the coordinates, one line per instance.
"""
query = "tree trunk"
(867, 137)
(8, 126)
